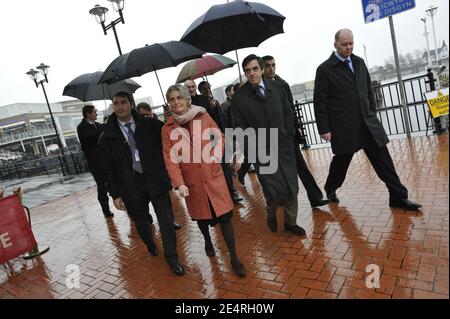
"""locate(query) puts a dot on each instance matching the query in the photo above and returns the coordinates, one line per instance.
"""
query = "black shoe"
(153, 250)
(331, 195)
(320, 202)
(177, 269)
(272, 224)
(176, 226)
(236, 198)
(405, 204)
(295, 229)
(241, 180)
(238, 268)
(108, 214)
(209, 249)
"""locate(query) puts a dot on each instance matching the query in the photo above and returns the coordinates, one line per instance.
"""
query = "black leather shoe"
(176, 226)
(320, 202)
(236, 198)
(272, 224)
(331, 195)
(177, 269)
(209, 249)
(153, 250)
(405, 204)
(108, 214)
(239, 269)
(295, 229)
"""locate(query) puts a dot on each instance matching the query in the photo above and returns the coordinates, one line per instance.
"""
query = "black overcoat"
(115, 156)
(344, 105)
(251, 110)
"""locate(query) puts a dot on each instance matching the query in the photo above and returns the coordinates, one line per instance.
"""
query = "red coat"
(204, 180)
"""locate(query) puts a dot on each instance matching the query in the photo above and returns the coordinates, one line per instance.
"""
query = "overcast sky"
(63, 35)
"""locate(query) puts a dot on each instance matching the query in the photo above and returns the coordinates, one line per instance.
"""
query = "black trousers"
(227, 172)
(312, 189)
(102, 193)
(381, 161)
(163, 210)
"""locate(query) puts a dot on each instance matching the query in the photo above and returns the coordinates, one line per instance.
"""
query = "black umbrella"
(86, 88)
(150, 58)
(232, 26)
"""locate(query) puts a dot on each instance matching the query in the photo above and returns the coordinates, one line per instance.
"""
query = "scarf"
(189, 115)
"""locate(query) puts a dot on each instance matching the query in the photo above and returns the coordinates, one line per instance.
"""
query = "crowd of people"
(138, 159)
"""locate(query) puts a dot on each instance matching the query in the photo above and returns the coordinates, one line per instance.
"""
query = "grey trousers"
(290, 207)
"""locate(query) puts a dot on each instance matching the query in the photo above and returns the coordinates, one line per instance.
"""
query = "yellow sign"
(438, 102)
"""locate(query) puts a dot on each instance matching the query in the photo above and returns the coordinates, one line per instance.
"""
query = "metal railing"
(389, 110)
(70, 164)
(25, 133)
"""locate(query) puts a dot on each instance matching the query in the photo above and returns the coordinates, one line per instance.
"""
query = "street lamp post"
(33, 74)
(424, 20)
(100, 15)
(432, 12)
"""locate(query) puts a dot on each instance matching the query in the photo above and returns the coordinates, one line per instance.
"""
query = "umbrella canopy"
(86, 88)
(208, 65)
(235, 25)
(149, 58)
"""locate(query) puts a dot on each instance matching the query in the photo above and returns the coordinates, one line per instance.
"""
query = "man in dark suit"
(313, 191)
(263, 107)
(346, 116)
(131, 150)
(89, 132)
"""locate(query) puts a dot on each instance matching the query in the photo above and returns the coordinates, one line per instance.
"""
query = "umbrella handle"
(239, 67)
(160, 87)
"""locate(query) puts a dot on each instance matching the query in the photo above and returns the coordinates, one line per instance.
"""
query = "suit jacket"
(216, 113)
(250, 110)
(89, 135)
(115, 154)
(344, 105)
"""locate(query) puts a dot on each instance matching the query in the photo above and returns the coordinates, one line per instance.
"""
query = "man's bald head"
(342, 32)
(344, 43)
(191, 87)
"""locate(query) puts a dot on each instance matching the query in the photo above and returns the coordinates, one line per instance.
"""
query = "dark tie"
(260, 91)
(137, 166)
(347, 63)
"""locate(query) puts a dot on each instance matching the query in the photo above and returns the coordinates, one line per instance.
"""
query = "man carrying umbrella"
(131, 152)
(313, 191)
(262, 104)
(89, 132)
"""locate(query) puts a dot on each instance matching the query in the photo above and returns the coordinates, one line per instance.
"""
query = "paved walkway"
(410, 249)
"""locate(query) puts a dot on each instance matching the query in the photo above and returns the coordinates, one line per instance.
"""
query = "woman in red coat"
(193, 147)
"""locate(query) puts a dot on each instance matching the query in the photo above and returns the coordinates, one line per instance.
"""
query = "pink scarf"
(187, 117)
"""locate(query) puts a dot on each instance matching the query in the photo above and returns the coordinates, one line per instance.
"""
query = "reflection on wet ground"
(409, 248)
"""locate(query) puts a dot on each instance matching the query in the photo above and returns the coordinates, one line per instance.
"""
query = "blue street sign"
(375, 10)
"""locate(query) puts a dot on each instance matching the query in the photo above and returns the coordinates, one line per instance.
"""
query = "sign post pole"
(375, 10)
(400, 79)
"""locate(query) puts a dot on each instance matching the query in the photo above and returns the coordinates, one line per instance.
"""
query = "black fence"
(390, 110)
(70, 164)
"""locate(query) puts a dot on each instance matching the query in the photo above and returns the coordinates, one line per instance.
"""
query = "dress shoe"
(331, 195)
(236, 198)
(272, 224)
(209, 249)
(176, 226)
(295, 229)
(177, 269)
(153, 250)
(405, 204)
(238, 268)
(320, 202)
(108, 214)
